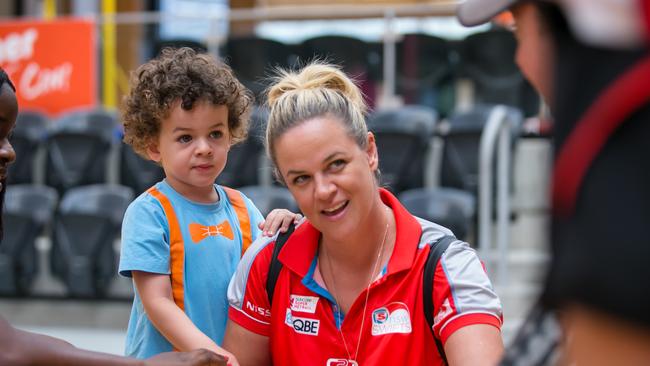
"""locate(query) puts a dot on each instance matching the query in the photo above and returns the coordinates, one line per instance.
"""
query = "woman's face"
(8, 114)
(329, 175)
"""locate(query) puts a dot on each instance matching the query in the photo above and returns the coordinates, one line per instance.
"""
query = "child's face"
(193, 148)
(8, 114)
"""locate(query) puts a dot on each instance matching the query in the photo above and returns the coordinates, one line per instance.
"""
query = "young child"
(183, 238)
(19, 347)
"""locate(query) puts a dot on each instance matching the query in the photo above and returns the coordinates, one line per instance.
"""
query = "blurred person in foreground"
(591, 62)
(18, 347)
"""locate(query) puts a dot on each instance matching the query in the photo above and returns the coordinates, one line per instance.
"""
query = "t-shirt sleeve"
(249, 303)
(255, 217)
(462, 293)
(145, 238)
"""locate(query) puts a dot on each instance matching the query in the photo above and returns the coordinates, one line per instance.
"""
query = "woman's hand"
(278, 220)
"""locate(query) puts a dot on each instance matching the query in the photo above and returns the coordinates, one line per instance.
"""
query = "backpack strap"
(176, 247)
(237, 201)
(276, 266)
(436, 249)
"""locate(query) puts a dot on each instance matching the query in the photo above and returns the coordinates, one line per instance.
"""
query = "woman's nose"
(324, 187)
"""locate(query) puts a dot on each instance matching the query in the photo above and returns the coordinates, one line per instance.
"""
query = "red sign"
(51, 63)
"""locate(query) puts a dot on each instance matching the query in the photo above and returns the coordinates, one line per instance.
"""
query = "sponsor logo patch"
(445, 310)
(392, 318)
(305, 304)
(302, 325)
(258, 309)
(341, 362)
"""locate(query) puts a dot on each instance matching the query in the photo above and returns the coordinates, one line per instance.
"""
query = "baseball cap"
(601, 23)
(475, 12)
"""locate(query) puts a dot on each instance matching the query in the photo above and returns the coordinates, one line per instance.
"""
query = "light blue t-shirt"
(209, 261)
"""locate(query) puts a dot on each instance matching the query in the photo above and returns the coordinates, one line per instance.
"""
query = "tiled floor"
(94, 325)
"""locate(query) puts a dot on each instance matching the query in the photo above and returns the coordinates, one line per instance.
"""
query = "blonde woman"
(350, 287)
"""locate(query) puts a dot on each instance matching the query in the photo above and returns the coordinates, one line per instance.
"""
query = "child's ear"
(153, 152)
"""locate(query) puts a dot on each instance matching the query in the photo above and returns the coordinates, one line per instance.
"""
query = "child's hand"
(278, 220)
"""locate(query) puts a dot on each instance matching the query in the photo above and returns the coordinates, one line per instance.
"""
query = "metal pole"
(389, 58)
(486, 153)
(503, 198)
(49, 9)
(109, 92)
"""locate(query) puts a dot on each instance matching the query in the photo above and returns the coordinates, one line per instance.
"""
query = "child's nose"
(203, 147)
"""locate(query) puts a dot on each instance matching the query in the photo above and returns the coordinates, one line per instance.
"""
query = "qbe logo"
(341, 362)
(302, 325)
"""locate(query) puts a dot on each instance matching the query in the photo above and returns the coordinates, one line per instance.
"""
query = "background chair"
(357, 58)
(425, 72)
(28, 210)
(253, 58)
(138, 173)
(267, 198)
(28, 137)
(462, 138)
(86, 225)
(245, 165)
(449, 207)
(78, 149)
(403, 139)
(488, 60)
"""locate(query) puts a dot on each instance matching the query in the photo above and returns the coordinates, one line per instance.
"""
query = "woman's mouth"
(335, 210)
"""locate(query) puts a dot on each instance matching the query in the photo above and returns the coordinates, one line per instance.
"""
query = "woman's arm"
(251, 349)
(477, 344)
(156, 293)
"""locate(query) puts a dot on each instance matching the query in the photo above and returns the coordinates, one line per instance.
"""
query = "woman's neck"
(359, 253)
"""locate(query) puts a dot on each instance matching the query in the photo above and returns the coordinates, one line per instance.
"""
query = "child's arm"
(156, 294)
(278, 219)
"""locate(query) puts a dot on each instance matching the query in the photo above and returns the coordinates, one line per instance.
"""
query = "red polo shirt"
(303, 322)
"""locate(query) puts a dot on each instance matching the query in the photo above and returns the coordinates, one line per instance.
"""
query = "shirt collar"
(301, 248)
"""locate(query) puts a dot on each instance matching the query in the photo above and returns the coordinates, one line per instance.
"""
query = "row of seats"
(78, 148)
(84, 226)
(427, 67)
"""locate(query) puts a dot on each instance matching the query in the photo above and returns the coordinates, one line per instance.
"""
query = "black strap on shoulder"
(276, 266)
(435, 252)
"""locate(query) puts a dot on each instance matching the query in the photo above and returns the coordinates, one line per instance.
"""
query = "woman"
(350, 288)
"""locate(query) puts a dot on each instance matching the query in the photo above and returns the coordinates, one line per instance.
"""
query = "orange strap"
(237, 202)
(176, 248)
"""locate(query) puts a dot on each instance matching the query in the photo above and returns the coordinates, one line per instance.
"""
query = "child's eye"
(184, 139)
(216, 134)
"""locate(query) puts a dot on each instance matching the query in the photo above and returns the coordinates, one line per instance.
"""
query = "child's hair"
(186, 76)
(318, 89)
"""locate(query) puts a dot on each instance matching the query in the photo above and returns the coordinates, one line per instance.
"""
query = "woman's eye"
(184, 139)
(337, 164)
(216, 134)
(300, 179)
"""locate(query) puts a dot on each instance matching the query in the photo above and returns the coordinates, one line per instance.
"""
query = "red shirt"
(302, 323)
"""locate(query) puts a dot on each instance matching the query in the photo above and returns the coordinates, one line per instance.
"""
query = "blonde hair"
(316, 90)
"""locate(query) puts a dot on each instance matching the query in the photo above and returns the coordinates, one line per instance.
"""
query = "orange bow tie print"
(199, 232)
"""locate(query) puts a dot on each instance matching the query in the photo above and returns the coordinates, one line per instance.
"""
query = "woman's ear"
(153, 152)
(371, 152)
